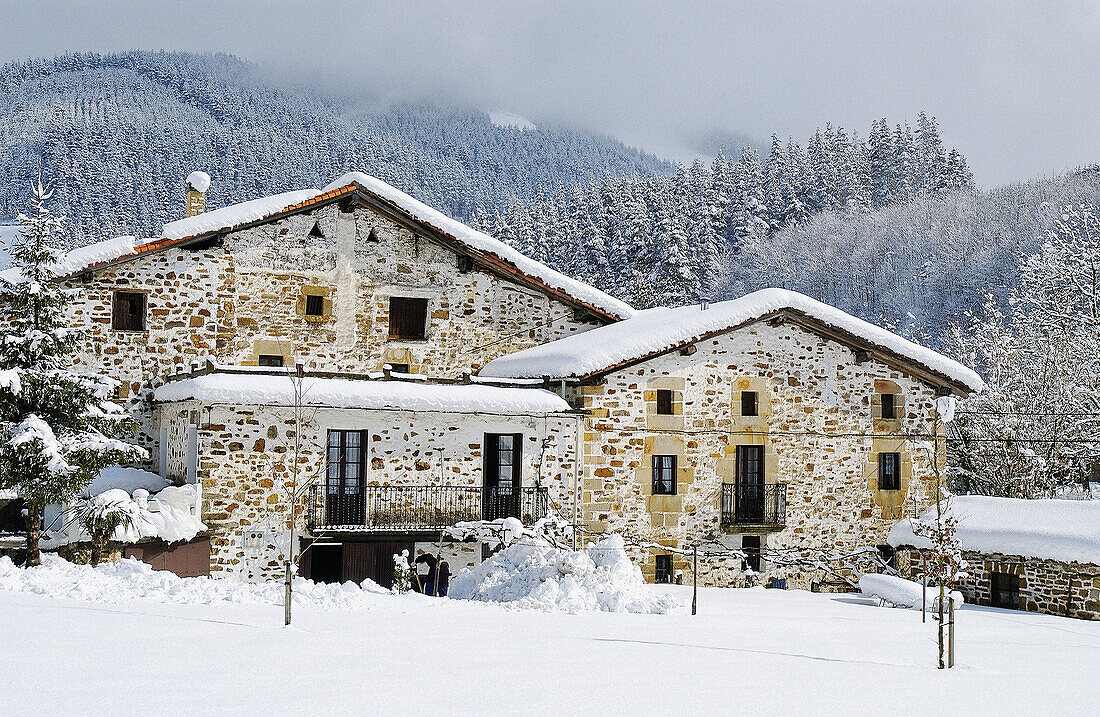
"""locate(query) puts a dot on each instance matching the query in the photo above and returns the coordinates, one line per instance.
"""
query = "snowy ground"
(748, 651)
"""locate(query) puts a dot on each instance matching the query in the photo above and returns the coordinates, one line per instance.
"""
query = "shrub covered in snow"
(531, 574)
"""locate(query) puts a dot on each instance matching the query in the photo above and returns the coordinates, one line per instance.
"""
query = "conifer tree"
(57, 427)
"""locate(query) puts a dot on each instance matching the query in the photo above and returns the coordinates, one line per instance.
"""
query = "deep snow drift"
(130, 579)
(528, 574)
(900, 592)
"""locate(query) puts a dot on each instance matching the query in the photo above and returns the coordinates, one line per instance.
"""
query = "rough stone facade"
(1047, 586)
(246, 298)
(246, 461)
(819, 424)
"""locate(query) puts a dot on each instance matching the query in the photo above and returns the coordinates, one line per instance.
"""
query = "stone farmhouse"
(354, 362)
(1036, 555)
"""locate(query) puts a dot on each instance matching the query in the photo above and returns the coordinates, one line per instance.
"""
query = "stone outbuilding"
(1034, 555)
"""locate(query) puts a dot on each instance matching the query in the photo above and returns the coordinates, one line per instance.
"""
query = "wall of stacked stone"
(1053, 587)
(248, 298)
(246, 465)
(816, 428)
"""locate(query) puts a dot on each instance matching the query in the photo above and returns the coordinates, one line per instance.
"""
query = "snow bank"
(1066, 530)
(172, 514)
(199, 181)
(483, 242)
(127, 479)
(131, 579)
(270, 389)
(531, 575)
(661, 329)
(900, 592)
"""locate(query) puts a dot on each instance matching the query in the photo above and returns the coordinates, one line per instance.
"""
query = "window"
(270, 360)
(889, 408)
(748, 403)
(408, 317)
(316, 231)
(750, 545)
(889, 471)
(344, 479)
(399, 367)
(664, 402)
(1004, 590)
(662, 572)
(502, 475)
(315, 305)
(128, 311)
(664, 475)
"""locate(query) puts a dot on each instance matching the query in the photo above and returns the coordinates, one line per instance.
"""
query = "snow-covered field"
(751, 651)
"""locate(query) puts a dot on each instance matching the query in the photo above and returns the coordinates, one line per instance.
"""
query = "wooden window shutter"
(408, 317)
(517, 460)
(490, 451)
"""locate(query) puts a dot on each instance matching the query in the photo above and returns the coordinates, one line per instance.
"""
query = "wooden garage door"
(190, 559)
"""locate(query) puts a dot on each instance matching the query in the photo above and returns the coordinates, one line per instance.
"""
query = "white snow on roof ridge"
(235, 214)
(654, 330)
(483, 242)
(242, 388)
(1054, 529)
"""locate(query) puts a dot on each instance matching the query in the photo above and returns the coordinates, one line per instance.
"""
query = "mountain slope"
(117, 134)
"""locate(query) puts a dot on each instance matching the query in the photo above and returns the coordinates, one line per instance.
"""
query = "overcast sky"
(1014, 85)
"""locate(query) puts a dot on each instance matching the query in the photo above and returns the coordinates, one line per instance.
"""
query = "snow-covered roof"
(273, 389)
(1065, 530)
(654, 331)
(238, 215)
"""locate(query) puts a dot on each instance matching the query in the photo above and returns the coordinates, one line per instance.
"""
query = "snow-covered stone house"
(388, 371)
(1037, 555)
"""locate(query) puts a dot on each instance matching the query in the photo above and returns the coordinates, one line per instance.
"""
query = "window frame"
(663, 567)
(491, 469)
(888, 399)
(754, 554)
(314, 301)
(894, 458)
(750, 400)
(342, 463)
(271, 360)
(1012, 590)
(121, 321)
(400, 323)
(665, 400)
(664, 485)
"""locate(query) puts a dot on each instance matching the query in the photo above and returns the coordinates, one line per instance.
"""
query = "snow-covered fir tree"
(57, 428)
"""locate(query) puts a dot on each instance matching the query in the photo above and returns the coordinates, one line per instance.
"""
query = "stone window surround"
(314, 290)
(434, 295)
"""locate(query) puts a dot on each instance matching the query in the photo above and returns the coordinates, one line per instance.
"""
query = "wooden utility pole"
(694, 577)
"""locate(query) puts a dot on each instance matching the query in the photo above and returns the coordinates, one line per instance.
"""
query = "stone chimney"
(197, 184)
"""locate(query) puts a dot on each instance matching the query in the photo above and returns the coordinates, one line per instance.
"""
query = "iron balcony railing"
(423, 507)
(756, 505)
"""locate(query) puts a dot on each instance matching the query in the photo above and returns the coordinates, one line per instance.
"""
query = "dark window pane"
(664, 475)
(270, 360)
(664, 402)
(315, 305)
(748, 403)
(408, 317)
(128, 311)
(750, 545)
(888, 406)
(662, 569)
(889, 471)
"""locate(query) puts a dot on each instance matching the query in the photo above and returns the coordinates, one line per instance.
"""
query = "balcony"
(754, 506)
(420, 508)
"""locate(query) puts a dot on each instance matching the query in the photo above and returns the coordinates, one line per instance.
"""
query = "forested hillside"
(116, 134)
(706, 231)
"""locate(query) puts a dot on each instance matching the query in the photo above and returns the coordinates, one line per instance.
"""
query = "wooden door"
(344, 486)
(502, 475)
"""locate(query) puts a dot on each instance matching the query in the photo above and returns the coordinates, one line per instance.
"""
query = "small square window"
(889, 471)
(889, 406)
(662, 572)
(315, 305)
(664, 402)
(408, 317)
(1004, 590)
(664, 475)
(270, 360)
(748, 404)
(128, 311)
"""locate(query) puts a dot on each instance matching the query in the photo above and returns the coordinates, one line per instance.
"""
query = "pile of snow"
(530, 574)
(235, 214)
(1065, 530)
(900, 592)
(272, 389)
(510, 120)
(172, 514)
(660, 329)
(131, 579)
(127, 479)
(198, 180)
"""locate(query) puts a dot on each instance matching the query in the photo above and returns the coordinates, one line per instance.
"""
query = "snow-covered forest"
(708, 230)
(116, 134)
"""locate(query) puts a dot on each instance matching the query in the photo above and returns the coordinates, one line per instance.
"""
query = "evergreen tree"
(56, 426)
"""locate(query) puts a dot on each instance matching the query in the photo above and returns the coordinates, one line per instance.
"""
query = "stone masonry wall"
(1047, 586)
(246, 463)
(816, 425)
(248, 298)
